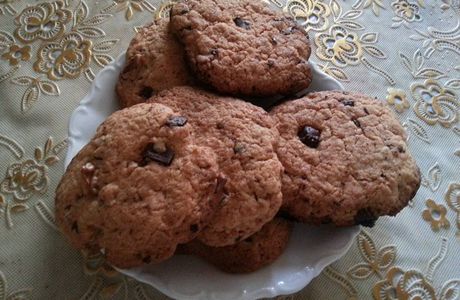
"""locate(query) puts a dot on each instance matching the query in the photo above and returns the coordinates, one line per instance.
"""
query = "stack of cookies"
(190, 165)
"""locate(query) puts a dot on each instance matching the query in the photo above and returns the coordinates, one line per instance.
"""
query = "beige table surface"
(406, 52)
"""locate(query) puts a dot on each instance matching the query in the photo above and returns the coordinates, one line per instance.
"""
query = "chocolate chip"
(147, 259)
(146, 92)
(274, 41)
(238, 148)
(357, 123)
(150, 154)
(177, 121)
(309, 136)
(75, 227)
(194, 228)
(220, 194)
(271, 63)
(366, 111)
(220, 126)
(288, 30)
(401, 149)
(347, 102)
(242, 23)
(365, 217)
(214, 52)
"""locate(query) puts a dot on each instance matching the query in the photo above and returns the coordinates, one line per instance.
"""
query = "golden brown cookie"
(345, 157)
(249, 255)
(243, 47)
(139, 187)
(243, 137)
(155, 61)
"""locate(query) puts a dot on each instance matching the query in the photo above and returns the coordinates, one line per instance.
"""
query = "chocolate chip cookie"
(345, 157)
(243, 47)
(249, 255)
(243, 137)
(155, 61)
(139, 187)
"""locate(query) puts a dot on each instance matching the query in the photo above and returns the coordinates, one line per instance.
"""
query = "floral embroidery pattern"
(310, 14)
(398, 99)
(46, 22)
(376, 261)
(17, 53)
(68, 58)
(68, 49)
(436, 215)
(130, 6)
(35, 87)
(376, 5)
(405, 13)
(6, 7)
(434, 103)
(436, 40)
(452, 198)
(26, 178)
(164, 9)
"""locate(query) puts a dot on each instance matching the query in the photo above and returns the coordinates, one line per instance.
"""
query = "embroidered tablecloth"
(405, 52)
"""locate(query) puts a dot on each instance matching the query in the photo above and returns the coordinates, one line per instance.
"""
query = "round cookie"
(243, 137)
(155, 61)
(345, 157)
(249, 255)
(139, 187)
(243, 47)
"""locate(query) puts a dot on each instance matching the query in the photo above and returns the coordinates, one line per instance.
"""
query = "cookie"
(155, 61)
(139, 187)
(243, 47)
(243, 137)
(345, 157)
(249, 255)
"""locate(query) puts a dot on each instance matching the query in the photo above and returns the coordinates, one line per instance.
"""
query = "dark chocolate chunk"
(401, 149)
(366, 111)
(146, 92)
(75, 227)
(347, 102)
(214, 52)
(365, 217)
(357, 123)
(238, 148)
(288, 30)
(194, 228)
(177, 121)
(271, 63)
(309, 136)
(242, 23)
(274, 41)
(220, 125)
(165, 158)
(220, 194)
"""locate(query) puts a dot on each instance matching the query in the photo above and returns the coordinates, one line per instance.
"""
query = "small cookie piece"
(138, 188)
(155, 61)
(345, 157)
(249, 255)
(243, 137)
(243, 47)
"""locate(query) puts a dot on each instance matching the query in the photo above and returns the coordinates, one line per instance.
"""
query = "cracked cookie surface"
(243, 47)
(249, 255)
(138, 188)
(243, 137)
(345, 157)
(155, 61)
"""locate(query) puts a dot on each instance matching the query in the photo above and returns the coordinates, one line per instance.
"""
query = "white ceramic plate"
(309, 251)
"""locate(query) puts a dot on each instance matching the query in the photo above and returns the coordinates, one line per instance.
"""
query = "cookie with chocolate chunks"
(139, 187)
(243, 47)
(243, 137)
(155, 61)
(345, 157)
(249, 255)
